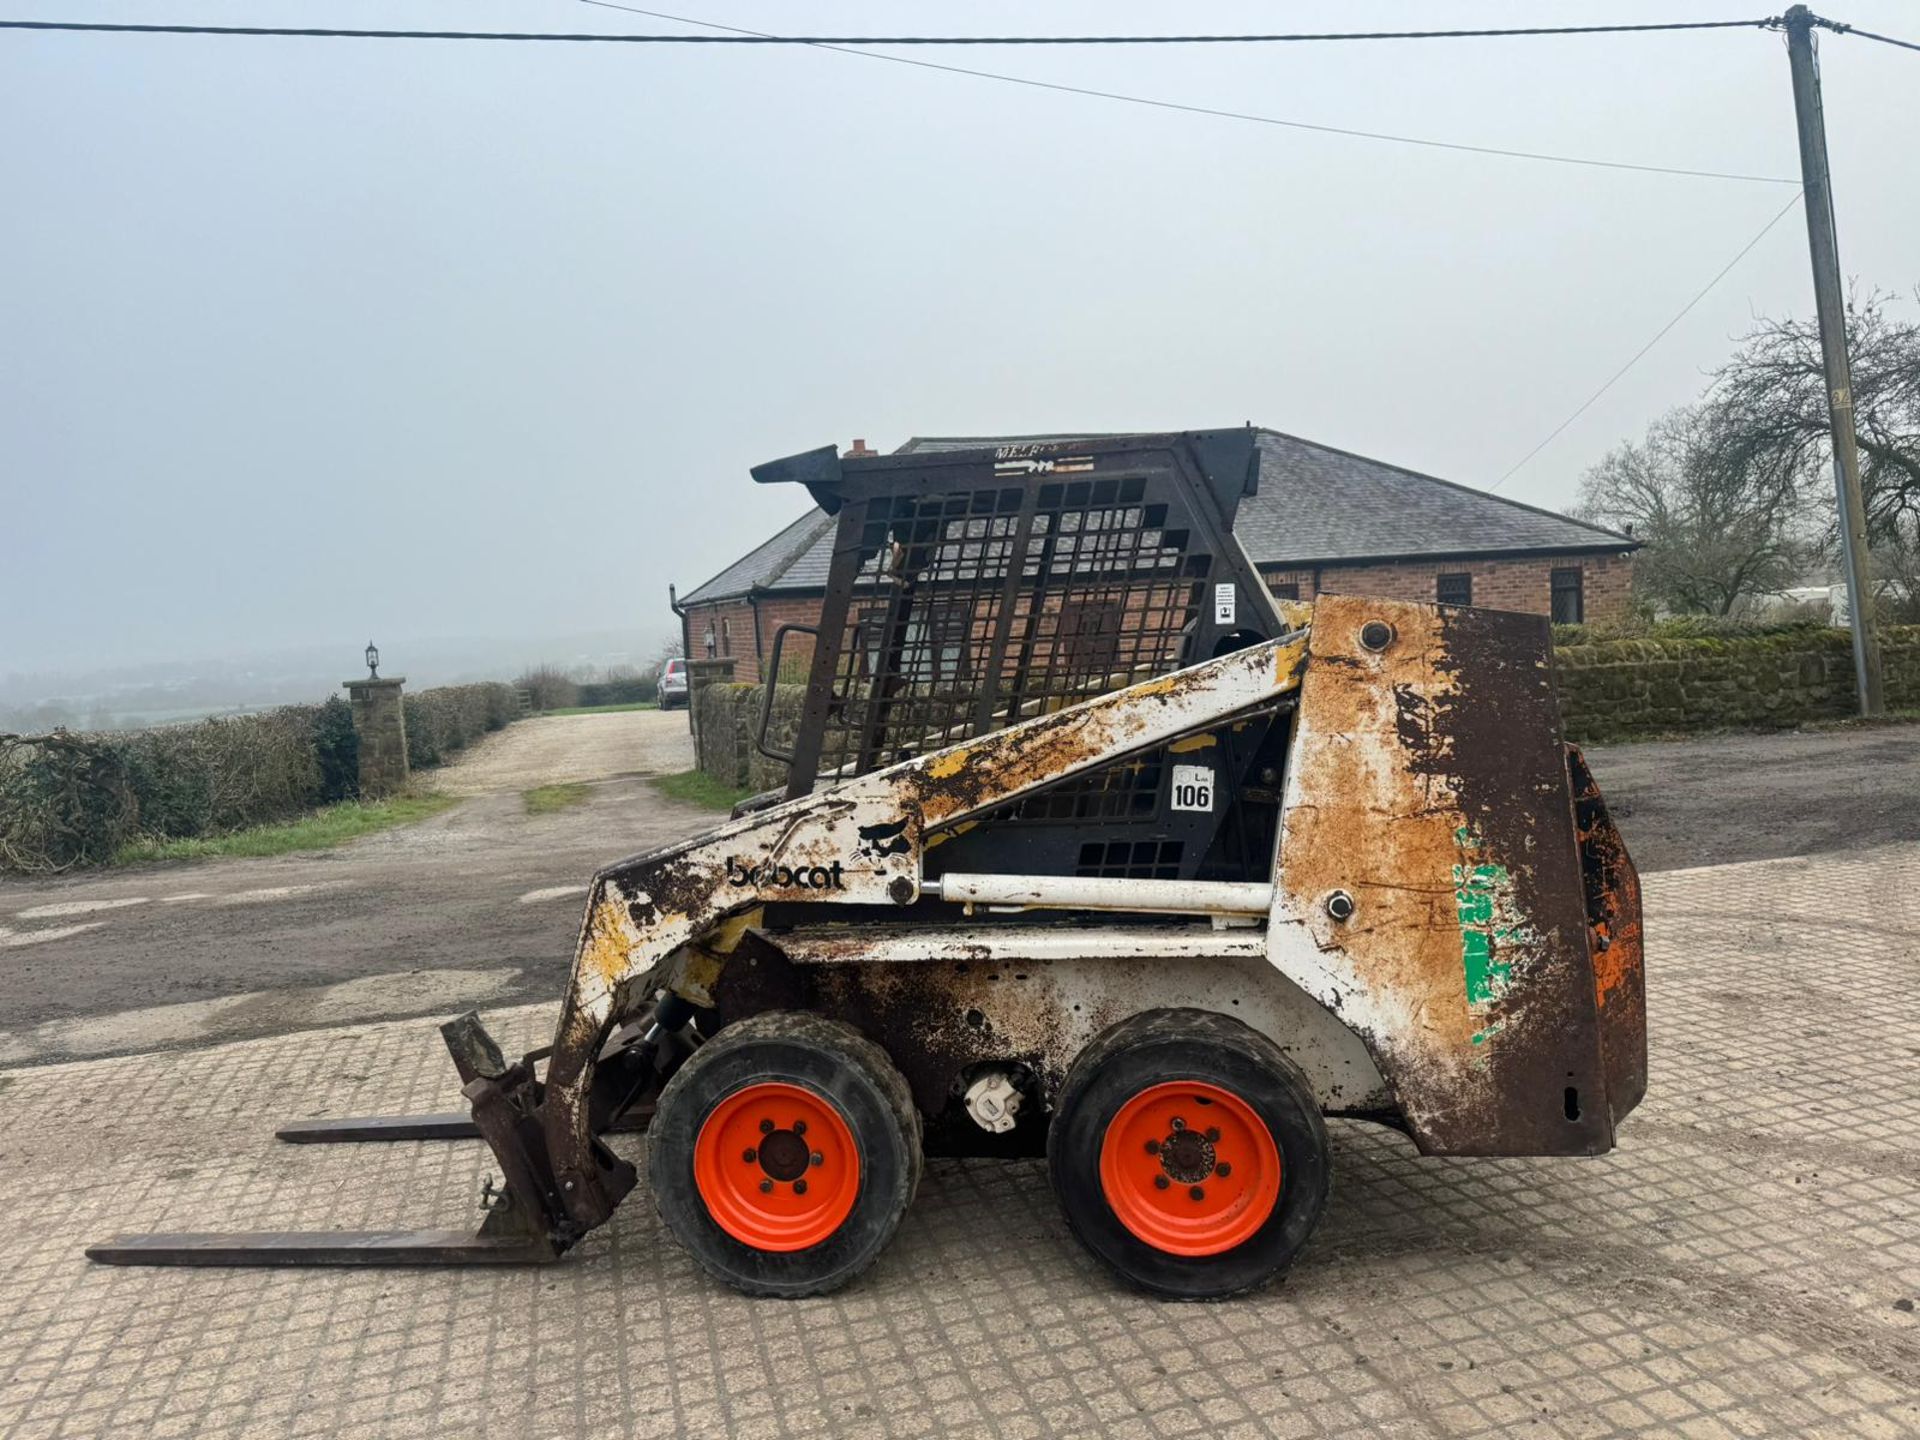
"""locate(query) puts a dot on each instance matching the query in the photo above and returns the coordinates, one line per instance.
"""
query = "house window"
(1569, 601)
(1454, 589)
(1285, 589)
(726, 636)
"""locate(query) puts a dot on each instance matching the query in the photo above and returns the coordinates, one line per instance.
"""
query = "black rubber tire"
(1163, 1045)
(834, 1061)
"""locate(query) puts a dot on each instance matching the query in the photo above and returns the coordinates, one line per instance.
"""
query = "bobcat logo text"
(792, 877)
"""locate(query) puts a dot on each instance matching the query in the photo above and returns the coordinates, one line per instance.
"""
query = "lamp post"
(373, 661)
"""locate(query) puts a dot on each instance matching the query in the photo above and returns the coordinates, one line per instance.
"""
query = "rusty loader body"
(1090, 847)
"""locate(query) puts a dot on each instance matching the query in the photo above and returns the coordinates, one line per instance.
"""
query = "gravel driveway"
(547, 749)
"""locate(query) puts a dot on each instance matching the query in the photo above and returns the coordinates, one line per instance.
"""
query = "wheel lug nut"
(750, 1155)
(1178, 1123)
(766, 1127)
(799, 1127)
(799, 1187)
(1213, 1134)
(1159, 1182)
(766, 1187)
(1153, 1147)
(1197, 1193)
(816, 1158)
(1223, 1169)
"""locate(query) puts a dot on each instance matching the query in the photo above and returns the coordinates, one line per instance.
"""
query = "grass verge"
(596, 709)
(546, 799)
(334, 825)
(696, 787)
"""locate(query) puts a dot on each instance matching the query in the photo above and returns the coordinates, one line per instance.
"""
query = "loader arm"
(661, 920)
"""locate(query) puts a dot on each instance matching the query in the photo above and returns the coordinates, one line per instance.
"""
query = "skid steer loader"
(1091, 848)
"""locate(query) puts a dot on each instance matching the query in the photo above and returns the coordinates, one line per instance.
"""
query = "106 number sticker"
(1193, 787)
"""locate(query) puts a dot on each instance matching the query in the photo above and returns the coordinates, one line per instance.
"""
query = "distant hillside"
(163, 692)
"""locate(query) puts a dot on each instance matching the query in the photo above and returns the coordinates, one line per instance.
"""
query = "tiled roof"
(803, 547)
(1316, 506)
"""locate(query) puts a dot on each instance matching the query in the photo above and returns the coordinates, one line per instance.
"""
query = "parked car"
(673, 684)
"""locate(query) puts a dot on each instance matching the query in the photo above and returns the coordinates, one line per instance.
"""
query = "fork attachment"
(525, 1222)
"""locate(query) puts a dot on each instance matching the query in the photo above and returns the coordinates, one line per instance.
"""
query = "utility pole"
(1824, 246)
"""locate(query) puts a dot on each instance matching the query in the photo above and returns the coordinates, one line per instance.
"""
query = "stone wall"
(726, 722)
(1620, 689)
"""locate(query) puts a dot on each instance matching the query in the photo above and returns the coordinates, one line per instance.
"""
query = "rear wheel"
(1189, 1154)
(783, 1154)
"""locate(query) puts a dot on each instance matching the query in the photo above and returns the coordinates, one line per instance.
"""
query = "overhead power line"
(1640, 354)
(1371, 135)
(1840, 29)
(319, 33)
(1219, 114)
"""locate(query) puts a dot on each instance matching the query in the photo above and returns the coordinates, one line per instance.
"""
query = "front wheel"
(783, 1154)
(1188, 1153)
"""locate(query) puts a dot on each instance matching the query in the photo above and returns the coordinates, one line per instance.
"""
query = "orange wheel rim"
(776, 1166)
(1190, 1168)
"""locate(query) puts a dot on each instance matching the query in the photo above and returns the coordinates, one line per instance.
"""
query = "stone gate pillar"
(701, 674)
(380, 724)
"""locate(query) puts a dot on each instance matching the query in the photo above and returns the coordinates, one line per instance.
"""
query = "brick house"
(1323, 520)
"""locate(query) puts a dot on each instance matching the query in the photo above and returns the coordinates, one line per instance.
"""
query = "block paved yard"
(1747, 1263)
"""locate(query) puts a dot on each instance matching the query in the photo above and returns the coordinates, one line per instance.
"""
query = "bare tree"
(1716, 529)
(1896, 574)
(1769, 405)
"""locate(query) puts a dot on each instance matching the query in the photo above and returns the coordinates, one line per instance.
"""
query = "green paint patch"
(325, 828)
(1490, 933)
(547, 799)
(696, 787)
(1477, 890)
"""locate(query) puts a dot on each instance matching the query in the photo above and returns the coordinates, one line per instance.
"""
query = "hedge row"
(439, 722)
(69, 799)
(638, 691)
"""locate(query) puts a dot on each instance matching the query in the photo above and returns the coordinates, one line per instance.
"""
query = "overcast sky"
(304, 340)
